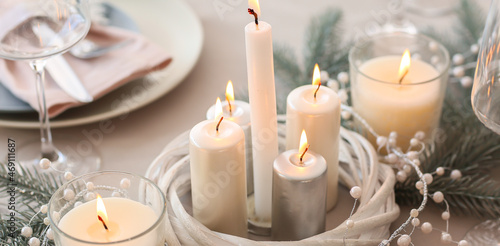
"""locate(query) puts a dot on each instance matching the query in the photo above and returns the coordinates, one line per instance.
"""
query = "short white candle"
(127, 218)
(320, 117)
(218, 177)
(239, 113)
(414, 105)
(261, 92)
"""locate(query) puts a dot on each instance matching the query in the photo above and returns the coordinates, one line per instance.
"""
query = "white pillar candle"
(414, 105)
(320, 117)
(261, 91)
(239, 113)
(299, 194)
(218, 177)
(127, 218)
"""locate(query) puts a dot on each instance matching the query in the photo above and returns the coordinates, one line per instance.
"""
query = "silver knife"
(60, 70)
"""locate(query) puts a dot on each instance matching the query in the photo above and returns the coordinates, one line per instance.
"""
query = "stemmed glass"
(34, 31)
(485, 99)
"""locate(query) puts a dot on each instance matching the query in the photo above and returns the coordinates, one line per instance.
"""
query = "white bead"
(125, 183)
(445, 215)
(381, 141)
(407, 169)
(426, 228)
(433, 46)
(416, 162)
(440, 171)
(466, 82)
(116, 194)
(44, 163)
(393, 134)
(412, 155)
(401, 176)
(46, 221)
(324, 76)
(420, 135)
(89, 196)
(391, 158)
(90, 186)
(419, 185)
(445, 238)
(434, 60)
(474, 49)
(34, 241)
(414, 213)
(77, 204)
(404, 240)
(356, 192)
(333, 84)
(438, 197)
(458, 59)
(421, 192)
(415, 222)
(349, 223)
(343, 77)
(392, 142)
(414, 142)
(456, 174)
(458, 72)
(44, 208)
(343, 95)
(56, 216)
(50, 234)
(69, 194)
(345, 115)
(26, 231)
(68, 175)
(428, 178)
(463, 243)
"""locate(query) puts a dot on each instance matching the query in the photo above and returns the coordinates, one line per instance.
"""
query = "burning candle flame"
(101, 212)
(404, 66)
(230, 95)
(316, 79)
(218, 114)
(303, 147)
(254, 4)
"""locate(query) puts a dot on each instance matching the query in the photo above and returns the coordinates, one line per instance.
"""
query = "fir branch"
(287, 70)
(471, 18)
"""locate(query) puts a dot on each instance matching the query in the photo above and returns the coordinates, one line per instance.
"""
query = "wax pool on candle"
(127, 218)
(218, 177)
(414, 105)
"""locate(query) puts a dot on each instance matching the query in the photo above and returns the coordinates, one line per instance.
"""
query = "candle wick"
(302, 156)
(218, 124)
(404, 75)
(252, 12)
(230, 106)
(104, 224)
(316, 92)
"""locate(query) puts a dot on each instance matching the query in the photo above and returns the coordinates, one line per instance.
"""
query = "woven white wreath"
(359, 167)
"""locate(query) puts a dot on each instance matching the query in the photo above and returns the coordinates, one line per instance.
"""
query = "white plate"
(171, 24)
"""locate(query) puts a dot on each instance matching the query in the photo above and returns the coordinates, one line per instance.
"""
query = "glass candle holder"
(134, 214)
(405, 101)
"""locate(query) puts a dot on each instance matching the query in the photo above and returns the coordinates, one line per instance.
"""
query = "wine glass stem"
(48, 149)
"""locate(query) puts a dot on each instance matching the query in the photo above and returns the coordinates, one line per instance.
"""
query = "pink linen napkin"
(99, 75)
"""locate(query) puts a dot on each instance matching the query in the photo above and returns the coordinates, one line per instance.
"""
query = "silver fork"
(87, 49)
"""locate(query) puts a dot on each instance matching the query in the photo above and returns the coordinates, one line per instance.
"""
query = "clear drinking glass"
(33, 31)
(486, 104)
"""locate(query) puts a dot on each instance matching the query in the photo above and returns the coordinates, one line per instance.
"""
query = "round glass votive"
(134, 214)
(390, 100)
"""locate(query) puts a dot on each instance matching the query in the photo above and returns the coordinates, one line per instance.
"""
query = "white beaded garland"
(416, 162)
(414, 213)
(343, 77)
(381, 141)
(68, 194)
(324, 76)
(44, 208)
(391, 158)
(333, 84)
(456, 174)
(440, 171)
(463, 243)
(458, 72)
(343, 95)
(46, 221)
(349, 223)
(433, 46)
(428, 178)
(414, 142)
(426, 228)
(434, 60)
(458, 59)
(438, 197)
(50, 234)
(116, 194)
(34, 241)
(77, 204)
(125, 183)
(56, 216)
(407, 169)
(26, 231)
(474, 49)
(393, 134)
(356, 192)
(401, 176)
(419, 185)
(412, 155)
(44, 163)
(404, 240)
(90, 186)
(420, 135)
(89, 196)
(392, 142)
(68, 175)
(445, 238)
(415, 222)
(346, 115)
(466, 82)
(445, 215)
